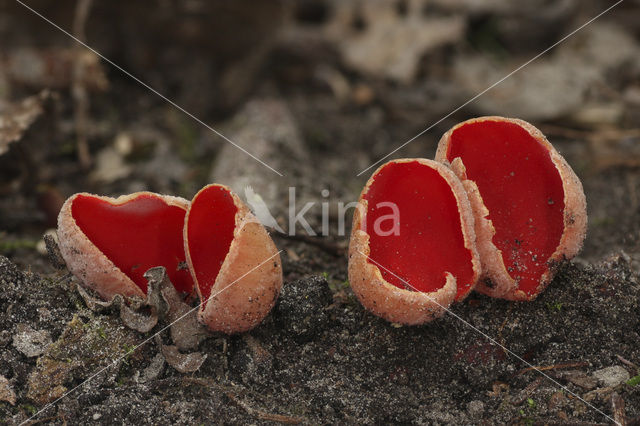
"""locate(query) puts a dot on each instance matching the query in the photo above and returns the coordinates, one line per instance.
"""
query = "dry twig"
(262, 415)
(78, 88)
(628, 363)
(560, 366)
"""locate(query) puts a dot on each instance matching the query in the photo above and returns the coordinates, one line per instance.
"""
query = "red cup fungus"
(109, 243)
(529, 206)
(412, 250)
(214, 242)
(227, 251)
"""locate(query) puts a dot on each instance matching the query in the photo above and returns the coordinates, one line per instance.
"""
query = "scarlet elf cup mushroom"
(109, 243)
(529, 206)
(500, 187)
(411, 276)
(214, 242)
(234, 263)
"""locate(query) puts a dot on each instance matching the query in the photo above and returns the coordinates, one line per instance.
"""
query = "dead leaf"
(16, 118)
(580, 378)
(136, 319)
(600, 393)
(110, 166)
(390, 44)
(153, 370)
(45, 383)
(183, 363)
(540, 91)
(6, 391)
(617, 404)
(269, 127)
(96, 304)
(553, 85)
(83, 348)
(186, 331)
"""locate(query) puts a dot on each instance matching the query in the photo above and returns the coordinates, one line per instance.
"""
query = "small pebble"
(31, 342)
(475, 409)
(611, 376)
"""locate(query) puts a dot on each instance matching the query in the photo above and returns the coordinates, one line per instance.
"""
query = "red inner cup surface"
(430, 240)
(139, 234)
(210, 227)
(521, 188)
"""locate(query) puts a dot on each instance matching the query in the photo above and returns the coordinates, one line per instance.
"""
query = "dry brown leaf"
(551, 86)
(183, 363)
(136, 319)
(6, 391)
(186, 331)
(153, 370)
(16, 118)
(96, 304)
(390, 44)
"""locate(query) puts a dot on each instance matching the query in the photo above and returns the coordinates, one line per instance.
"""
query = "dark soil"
(321, 358)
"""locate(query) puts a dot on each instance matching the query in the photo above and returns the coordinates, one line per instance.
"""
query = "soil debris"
(31, 342)
(184, 363)
(6, 391)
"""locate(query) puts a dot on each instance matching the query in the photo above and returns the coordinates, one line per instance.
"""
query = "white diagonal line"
(142, 83)
(130, 351)
(492, 340)
(493, 85)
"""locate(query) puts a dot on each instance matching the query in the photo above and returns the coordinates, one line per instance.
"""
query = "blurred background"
(318, 90)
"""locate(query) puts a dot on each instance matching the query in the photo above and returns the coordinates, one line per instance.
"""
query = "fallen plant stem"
(263, 415)
(560, 366)
(78, 88)
(527, 391)
(501, 329)
(46, 420)
(627, 362)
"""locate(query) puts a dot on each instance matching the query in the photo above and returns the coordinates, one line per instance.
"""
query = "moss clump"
(82, 349)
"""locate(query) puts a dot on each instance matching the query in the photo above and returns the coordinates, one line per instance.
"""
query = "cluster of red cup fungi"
(212, 245)
(497, 212)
